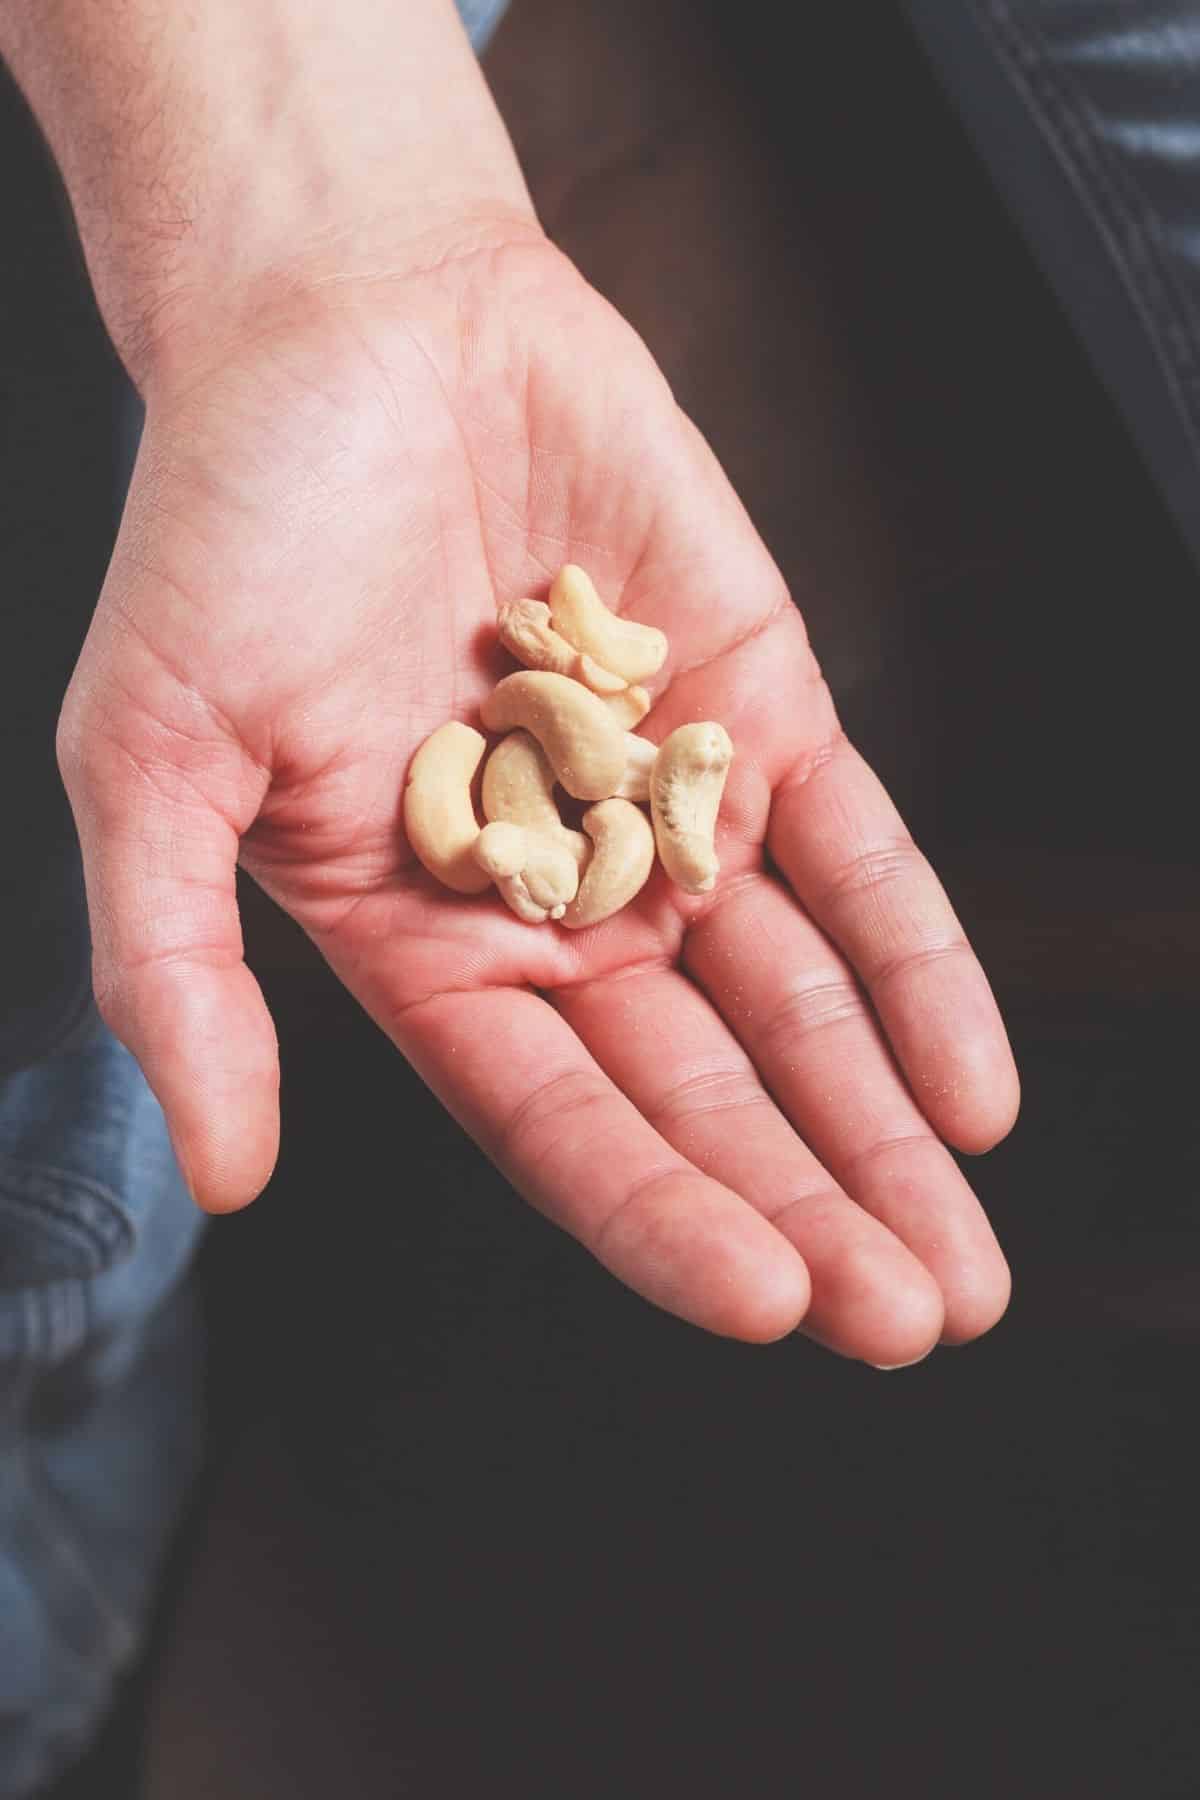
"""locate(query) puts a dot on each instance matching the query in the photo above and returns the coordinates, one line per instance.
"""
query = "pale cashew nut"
(537, 877)
(584, 743)
(518, 786)
(629, 707)
(639, 761)
(439, 819)
(620, 865)
(551, 874)
(527, 634)
(630, 650)
(686, 785)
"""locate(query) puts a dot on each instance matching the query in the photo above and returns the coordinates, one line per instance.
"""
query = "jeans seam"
(119, 1635)
(1067, 125)
(42, 1325)
(72, 1203)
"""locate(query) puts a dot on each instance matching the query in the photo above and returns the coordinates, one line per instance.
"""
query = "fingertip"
(778, 1302)
(207, 1046)
(977, 1108)
(911, 1329)
(693, 1247)
(755, 1286)
(991, 1123)
(226, 1135)
(979, 1302)
(227, 1177)
(875, 1302)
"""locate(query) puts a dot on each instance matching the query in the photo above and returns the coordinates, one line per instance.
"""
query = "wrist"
(219, 158)
(188, 324)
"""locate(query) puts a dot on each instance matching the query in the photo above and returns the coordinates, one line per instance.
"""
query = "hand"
(736, 1102)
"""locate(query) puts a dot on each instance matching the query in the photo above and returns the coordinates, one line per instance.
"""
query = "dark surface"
(481, 1523)
(522, 1535)
(58, 514)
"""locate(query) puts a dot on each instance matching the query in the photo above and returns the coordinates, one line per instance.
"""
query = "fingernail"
(887, 1368)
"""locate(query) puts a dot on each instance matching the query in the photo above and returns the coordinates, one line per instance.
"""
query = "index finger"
(849, 858)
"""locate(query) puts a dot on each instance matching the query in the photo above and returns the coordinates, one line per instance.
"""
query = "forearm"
(216, 153)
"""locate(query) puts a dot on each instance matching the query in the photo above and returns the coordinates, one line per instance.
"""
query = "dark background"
(477, 1521)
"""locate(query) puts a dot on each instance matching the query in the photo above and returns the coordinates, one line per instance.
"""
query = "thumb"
(161, 793)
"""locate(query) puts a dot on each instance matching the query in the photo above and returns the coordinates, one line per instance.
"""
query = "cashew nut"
(620, 865)
(439, 819)
(527, 634)
(584, 743)
(639, 761)
(686, 784)
(535, 876)
(518, 786)
(630, 706)
(631, 651)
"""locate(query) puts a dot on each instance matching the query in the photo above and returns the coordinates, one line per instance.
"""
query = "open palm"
(738, 1102)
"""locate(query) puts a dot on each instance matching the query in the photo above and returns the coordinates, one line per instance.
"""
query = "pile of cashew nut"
(568, 719)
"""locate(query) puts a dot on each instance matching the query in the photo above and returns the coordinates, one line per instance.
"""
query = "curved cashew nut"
(518, 786)
(550, 873)
(584, 743)
(686, 784)
(639, 761)
(439, 819)
(620, 865)
(527, 634)
(629, 707)
(536, 877)
(630, 650)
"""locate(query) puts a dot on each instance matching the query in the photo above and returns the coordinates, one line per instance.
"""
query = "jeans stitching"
(1132, 210)
(72, 1203)
(1059, 113)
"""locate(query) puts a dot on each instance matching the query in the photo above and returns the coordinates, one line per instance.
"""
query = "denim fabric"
(100, 1417)
(1088, 114)
(481, 18)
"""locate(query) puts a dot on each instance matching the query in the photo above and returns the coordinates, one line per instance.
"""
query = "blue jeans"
(1076, 104)
(100, 1416)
